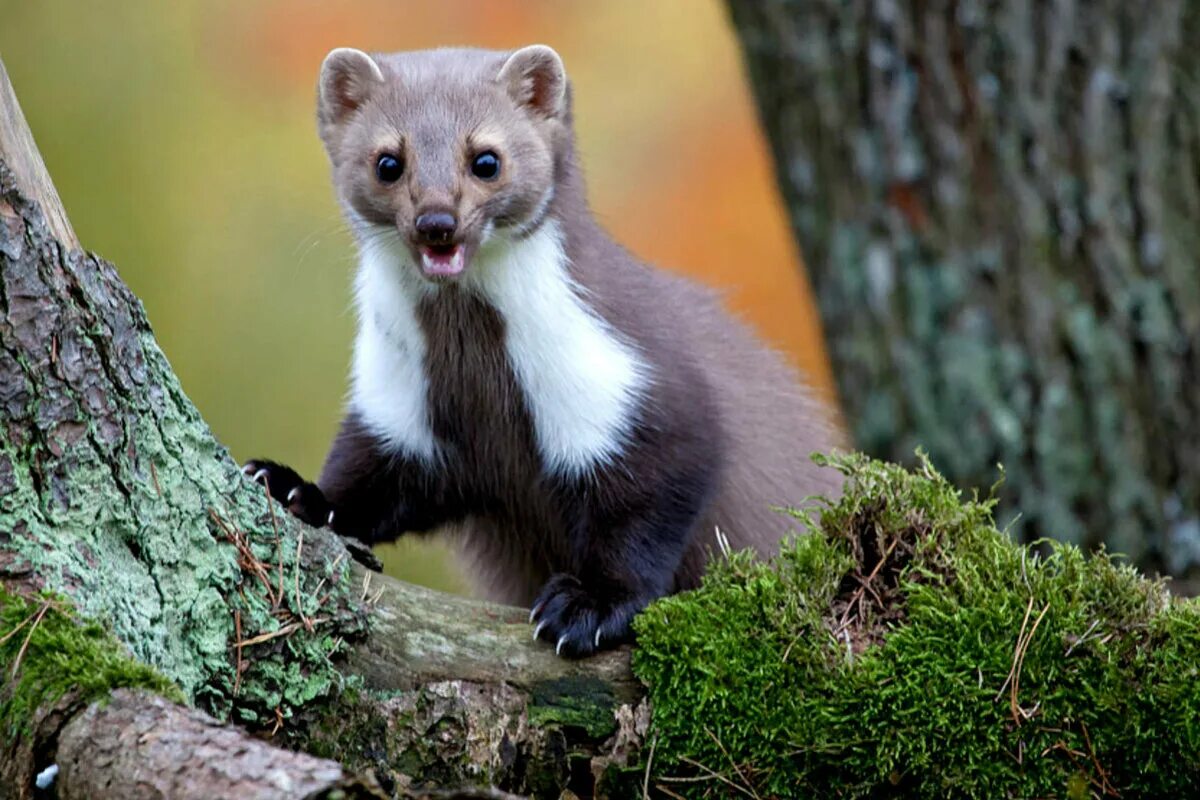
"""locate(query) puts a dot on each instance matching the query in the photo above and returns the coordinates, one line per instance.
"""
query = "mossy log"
(115, 496)
(910, 649)
(997, 205)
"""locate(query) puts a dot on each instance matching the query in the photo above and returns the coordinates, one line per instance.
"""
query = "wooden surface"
(139, 746)
(19, 151)
(420, 636)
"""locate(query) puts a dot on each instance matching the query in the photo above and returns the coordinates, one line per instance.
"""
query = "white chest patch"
(581, 381)
(388, 385)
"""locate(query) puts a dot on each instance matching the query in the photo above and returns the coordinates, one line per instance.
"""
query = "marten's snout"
(436, 228)
(441, 257)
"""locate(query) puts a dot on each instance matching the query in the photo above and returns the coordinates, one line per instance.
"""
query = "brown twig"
(1013, 681)
(649, 762)
(1014, 706)
(321, 583)
(37, 618)
(18, 627)
(1105, 784)
(716, 775)
(290, 628)
(278, 600)
(247, 561)
(1082, 638)
(1079, 761)
(1020, 637)
(847, 617)
(154, 478)
(733, 764)
(238, 644)
(299, 606)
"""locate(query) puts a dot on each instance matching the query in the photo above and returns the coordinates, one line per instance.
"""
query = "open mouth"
(443, 260)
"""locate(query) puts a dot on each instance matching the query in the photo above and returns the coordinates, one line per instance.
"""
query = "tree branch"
(18, 150)
(139, 745)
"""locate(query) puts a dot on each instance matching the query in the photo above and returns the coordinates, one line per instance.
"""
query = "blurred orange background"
(181, 138)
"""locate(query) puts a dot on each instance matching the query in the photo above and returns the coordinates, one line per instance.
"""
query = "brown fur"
(771, 421)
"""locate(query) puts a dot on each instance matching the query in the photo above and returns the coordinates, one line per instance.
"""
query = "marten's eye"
(486, 166)
(389, 168)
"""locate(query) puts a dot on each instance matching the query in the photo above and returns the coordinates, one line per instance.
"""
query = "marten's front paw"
(577, 622)
(304, 500)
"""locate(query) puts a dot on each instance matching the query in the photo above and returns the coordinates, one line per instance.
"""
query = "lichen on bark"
(114, 492)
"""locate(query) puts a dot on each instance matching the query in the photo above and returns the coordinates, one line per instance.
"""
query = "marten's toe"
(577, 622)
(278, 479)
(304, 500)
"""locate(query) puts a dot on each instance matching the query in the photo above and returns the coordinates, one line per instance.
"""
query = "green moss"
(575, 702)
(350, 729)
(791, 679)
(60, 654)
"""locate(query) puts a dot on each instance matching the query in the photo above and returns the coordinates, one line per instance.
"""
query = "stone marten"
(579, 421)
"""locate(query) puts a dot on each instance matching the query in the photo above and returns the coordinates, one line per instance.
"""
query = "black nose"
(436, 227)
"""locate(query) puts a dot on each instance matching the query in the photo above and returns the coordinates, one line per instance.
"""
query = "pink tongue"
(449, 261)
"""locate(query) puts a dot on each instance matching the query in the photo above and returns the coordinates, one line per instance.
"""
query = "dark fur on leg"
(631, 554)
(379, 497)
(365, 496)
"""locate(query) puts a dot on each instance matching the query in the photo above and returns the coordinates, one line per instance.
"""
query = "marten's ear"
(535, 79)
(348, 77)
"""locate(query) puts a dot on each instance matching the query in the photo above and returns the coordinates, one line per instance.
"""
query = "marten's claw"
(578, 622)
(304, 500)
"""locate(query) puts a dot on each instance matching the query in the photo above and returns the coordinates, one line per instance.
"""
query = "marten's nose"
(436, 227)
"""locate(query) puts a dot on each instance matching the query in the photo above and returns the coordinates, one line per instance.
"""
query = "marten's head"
(449, 148)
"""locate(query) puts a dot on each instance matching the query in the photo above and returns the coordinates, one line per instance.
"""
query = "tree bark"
(141, 746)
(114, 493)
(997, 203)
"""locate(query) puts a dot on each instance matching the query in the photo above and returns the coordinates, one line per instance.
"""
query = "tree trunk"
(997, 204)
(114, 493)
